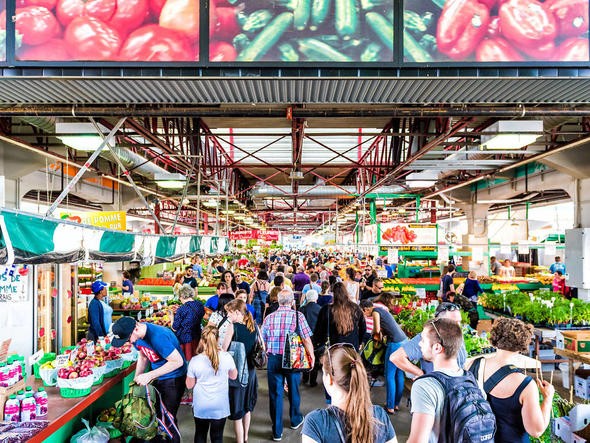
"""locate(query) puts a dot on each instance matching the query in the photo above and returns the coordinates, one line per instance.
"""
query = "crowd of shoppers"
(335, 309)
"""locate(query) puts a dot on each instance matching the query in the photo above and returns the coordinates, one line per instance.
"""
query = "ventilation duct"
(315, 192)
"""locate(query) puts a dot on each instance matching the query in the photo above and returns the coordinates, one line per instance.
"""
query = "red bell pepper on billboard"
(496, 50)
(462, 25)
(573, 50)
(571, 16)
(527, 23)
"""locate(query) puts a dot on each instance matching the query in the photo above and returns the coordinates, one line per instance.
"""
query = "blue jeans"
(276, 377)
(394, 377)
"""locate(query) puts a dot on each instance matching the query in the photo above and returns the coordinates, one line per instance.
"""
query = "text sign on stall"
(13, 286)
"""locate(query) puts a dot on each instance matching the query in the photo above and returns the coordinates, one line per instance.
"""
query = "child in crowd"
(367, 307)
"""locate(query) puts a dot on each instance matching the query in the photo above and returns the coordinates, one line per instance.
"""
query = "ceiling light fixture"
(80, 135)
(511, 134)
(170, 180)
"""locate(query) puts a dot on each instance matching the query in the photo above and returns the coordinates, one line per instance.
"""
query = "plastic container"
(12, 375)
(565, 374)
(29, 389)
(12, 409)
(41, 402)
(4, 375)
(28, 408)
(20, 395)
(49, 356)
(74, 393)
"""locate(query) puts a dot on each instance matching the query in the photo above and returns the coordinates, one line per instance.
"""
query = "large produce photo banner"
(301, 31)
(107, 30)
(495, 30)
(409, 236)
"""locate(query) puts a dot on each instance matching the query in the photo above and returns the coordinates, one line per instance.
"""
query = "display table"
(65, 414)
(572, 356)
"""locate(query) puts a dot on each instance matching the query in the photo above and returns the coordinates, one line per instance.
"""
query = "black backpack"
(467, 416)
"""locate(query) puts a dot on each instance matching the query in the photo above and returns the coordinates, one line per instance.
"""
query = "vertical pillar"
(581, 197)
(477, 236)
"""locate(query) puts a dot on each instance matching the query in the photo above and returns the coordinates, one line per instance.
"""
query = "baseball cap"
(98, 286)
(122, 330)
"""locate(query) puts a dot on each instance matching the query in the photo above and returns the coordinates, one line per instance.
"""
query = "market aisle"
(312, 398)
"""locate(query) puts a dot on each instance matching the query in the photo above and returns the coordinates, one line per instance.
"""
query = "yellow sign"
(107, 219)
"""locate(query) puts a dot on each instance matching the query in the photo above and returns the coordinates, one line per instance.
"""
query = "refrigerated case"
(55, 306)
(46, 307)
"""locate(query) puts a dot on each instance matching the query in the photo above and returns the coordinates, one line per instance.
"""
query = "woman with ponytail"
(351, 417)
(208, 373)
(242, 400)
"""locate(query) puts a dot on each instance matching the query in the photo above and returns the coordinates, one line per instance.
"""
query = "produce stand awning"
(30, 239)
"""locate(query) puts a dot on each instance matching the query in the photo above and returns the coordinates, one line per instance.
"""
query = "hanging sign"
(392, 256)
(410, 236)
(107, 219)
(443, 253)
(550, 249)
(477, 254)
(505, 249)
(523, 248)
(13, 286)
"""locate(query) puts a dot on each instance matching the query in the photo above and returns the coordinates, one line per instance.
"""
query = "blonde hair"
(345, 366)
(209, 345)
(240, 306)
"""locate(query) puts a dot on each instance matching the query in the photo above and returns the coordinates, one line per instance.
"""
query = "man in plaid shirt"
(274, 331)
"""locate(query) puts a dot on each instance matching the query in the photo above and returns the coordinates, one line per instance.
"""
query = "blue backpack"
(467, 416)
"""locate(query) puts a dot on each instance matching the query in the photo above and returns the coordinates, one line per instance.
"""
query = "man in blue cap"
(160, 354)
(99, 312)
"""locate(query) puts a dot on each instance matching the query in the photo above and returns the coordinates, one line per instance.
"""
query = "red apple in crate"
(81, 355)
(98, 349)
(73, 375)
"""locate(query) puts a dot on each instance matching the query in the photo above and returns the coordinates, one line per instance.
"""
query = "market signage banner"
(254, 234)
(31, 239)
(116, 220)
(495, 30)
(13, 284)
(410, 236)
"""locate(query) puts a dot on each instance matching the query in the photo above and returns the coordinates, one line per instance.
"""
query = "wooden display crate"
(7, 392)
(577, 341)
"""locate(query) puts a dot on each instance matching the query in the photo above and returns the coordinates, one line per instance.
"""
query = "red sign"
(243, 235)
(268, 235)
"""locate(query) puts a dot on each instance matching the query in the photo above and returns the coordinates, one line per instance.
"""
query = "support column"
(477, 236)
(581, 197)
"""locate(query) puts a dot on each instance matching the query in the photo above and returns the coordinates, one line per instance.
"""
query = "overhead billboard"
(495, 30)
(295, 31)
(410, 236)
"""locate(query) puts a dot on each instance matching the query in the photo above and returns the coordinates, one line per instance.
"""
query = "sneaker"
(297, 426)
(277, 438)
(377, 382)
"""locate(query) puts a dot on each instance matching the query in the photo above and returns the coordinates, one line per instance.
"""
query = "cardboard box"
(577, 341)
(582, 387)
(562, 429)
(7, 392)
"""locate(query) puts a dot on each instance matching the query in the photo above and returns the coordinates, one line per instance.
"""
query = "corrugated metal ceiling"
(210, 91)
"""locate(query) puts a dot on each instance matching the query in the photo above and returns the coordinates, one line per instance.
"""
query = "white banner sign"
(13, 285)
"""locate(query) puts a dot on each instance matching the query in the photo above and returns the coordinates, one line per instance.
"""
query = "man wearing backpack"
(447, 405)
(161, 355)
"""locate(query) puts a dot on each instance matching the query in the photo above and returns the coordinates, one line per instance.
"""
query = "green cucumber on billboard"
(496, 31)
(295, 31)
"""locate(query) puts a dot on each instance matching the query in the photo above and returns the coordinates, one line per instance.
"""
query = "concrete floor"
(311, 398)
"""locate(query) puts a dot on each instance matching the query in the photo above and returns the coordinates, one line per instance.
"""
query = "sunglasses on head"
(447, 307)
(433, 323)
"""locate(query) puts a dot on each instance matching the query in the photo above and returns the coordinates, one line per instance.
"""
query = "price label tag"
(73, 354)
(90, 348)
(147, 312)
(61, 361)
(159, 305)
(152, 310)
(421, 292)
(139, 316)
(36, 356)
